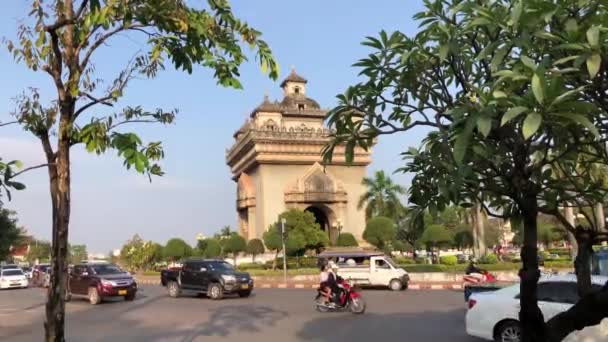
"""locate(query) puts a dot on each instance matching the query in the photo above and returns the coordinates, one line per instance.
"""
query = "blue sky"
(110, 204)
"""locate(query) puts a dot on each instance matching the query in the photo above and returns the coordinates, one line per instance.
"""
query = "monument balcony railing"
(292, 134)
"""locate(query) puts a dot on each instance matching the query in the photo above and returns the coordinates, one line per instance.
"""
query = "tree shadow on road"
(413, 327)
(237, 318)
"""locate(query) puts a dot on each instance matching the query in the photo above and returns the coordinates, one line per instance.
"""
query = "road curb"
(266, 285)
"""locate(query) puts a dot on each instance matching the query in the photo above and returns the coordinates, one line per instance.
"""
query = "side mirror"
(203, 269)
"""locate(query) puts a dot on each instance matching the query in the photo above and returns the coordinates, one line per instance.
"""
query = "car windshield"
(106, 269)
(9, 267)
(221, 266)
(391, 262)
(43, 268)
(12, 272)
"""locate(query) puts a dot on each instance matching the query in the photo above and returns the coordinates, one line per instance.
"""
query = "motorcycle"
(349, 299)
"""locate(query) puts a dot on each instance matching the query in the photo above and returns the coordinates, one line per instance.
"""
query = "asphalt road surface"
(268, 315)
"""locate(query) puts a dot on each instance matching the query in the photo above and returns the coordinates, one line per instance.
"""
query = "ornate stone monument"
(277, 164)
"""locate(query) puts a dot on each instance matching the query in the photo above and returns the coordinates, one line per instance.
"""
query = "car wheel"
(509, 331)
(244, 294)
(174, 290)
(395, 285)
(215, 291)
(94, 297)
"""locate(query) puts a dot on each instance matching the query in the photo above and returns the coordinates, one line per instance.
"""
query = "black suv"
(211, 277)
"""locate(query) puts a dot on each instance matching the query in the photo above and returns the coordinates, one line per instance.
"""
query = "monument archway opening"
(320, 217)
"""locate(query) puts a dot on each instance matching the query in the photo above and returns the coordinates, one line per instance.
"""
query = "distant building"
(277, 164)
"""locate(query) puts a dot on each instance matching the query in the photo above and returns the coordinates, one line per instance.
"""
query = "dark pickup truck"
(211, 277)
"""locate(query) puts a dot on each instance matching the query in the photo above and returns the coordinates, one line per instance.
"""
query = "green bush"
(405, 261)
(379, 230)
(251, 266)
(449, 260)
(559, 264)
(347, 240)
(562, 252)
(292, 262)
(489, 258)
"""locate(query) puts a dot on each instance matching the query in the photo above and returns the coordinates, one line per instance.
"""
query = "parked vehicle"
(39, 274)
(100, 281)
(495, 315)
(349, 299)
(367, 268)
(28, 272)
(12, 278)
(215, 278)
(9, 267)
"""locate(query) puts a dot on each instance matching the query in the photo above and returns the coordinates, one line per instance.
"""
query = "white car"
(494, 315)
(12, 278)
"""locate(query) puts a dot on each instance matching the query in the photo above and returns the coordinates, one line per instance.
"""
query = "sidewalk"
(273, 283)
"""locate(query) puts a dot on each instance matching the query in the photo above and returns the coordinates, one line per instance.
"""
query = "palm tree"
(381, 197)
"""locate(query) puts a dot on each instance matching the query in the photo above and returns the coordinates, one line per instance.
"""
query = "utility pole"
(284, 250)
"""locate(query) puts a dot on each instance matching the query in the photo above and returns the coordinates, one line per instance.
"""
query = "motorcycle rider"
(333, 282)
(323, 285)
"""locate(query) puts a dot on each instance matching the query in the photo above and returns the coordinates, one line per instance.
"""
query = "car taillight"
(472, 303)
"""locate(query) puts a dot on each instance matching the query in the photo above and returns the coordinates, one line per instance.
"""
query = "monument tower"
(277, 164)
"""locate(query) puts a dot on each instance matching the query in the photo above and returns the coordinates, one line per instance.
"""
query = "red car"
(100, 281)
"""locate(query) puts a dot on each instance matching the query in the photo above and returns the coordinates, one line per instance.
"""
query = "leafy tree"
(10, 234)
(400, 246)
(463, 238)
(78, 253)
(40, 251)
(303, 223)
(273, 241)
(347, 240)
(508, 92)
(177, 249)
(381, 197)
(255, 247)
(213, 249)
(379, 232)
(234, 245)
(436, 236)
(138, 254)
(62, 41)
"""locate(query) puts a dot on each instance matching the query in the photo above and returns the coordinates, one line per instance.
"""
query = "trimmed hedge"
(448, 260)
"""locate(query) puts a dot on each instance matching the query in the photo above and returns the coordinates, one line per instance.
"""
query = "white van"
(368, 268)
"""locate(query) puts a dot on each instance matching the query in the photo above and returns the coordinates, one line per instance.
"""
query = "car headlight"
(107, 282)
(229, 278)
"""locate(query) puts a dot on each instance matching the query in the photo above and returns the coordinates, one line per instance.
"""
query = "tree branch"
(30, 168)
(102, 40)
(2, 124)
(129, 122)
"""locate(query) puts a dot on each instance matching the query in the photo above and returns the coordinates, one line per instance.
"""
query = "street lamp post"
(283, 221)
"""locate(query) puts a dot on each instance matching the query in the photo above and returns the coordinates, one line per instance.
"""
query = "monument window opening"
(320, 218)
(301, 106)
(296, 90)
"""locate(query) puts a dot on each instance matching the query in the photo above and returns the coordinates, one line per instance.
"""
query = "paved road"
(269, 315)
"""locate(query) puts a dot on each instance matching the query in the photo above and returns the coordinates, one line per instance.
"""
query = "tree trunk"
(475, 238)
(582, 263)
(274, 261)
(530, 316)
(569, 215)
(600, 219)
(60, 194)
(481, 232)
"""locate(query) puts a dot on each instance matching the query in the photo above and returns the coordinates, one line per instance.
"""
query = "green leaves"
(512, 114)
(484, 125)
(516, 13)
(538, 88)
(593, 64)
(531, 124)
(593, 36)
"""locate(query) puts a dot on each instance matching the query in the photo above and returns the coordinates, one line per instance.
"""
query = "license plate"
(122, 292)
(244, 286)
